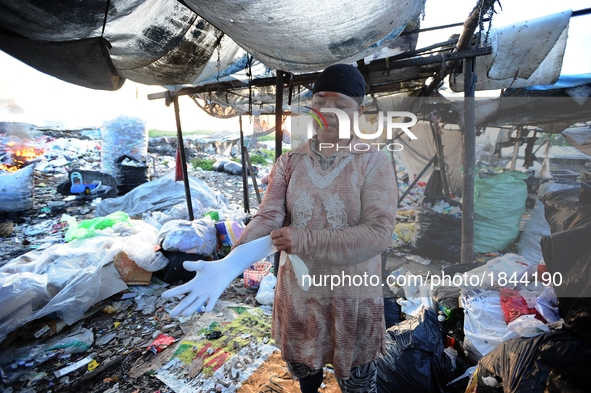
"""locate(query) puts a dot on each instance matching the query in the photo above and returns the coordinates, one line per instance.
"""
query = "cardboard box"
(130, 272)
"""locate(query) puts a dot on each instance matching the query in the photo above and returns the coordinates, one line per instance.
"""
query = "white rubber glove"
(213, 278)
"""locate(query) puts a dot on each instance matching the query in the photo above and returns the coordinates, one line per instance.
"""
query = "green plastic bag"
(499, 204)
(88, 228)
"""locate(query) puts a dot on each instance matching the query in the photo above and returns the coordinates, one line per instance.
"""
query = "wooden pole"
(467, 250)
(179, 134)
(278, 115)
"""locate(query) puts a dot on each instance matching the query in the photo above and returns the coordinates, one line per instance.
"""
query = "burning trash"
(16, 154)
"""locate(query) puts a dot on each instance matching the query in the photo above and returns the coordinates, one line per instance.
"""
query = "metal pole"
(414, 183)
(244, 169)
(435, 129)
(278, 114)
(179, 134)
(467, 251)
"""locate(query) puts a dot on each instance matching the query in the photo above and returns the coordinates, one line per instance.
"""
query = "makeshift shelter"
(225, 54)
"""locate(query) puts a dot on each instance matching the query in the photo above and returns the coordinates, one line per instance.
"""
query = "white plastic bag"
(527, 326)
(196, 237)
(484, 322)
(417, 295)
(266, 290)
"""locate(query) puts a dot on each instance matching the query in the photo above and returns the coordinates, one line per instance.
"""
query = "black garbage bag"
(129, 176)
(437, 235)
(218, 166)
(174, 271)
(415, 361)
(434, 186)
(551, 362)
(235, 168)
(564, 210)
(391, 312)
(568, 261)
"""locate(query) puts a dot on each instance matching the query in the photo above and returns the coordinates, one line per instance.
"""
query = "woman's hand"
(282, 239)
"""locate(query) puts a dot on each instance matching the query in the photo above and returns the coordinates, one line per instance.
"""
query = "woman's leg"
(362, 379)
(310, 379)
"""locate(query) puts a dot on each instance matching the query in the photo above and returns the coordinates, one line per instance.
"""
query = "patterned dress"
(341, 219)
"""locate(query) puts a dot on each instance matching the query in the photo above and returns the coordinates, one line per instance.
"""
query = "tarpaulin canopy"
(167, 42)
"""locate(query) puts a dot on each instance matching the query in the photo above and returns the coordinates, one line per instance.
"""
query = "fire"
(19, 156)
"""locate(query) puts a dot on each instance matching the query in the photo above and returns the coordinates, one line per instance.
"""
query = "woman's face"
(329, 99)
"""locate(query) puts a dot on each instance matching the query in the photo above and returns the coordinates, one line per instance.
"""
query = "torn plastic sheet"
(524, 54)
(160, 194)
(65, 278)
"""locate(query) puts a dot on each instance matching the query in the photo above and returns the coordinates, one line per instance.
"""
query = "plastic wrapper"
(228, 232)
(499, 204)
(122, 136)
(16, 190)
(414, 359)
(196, 237)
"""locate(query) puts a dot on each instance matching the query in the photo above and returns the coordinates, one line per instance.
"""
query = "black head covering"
(341, 78)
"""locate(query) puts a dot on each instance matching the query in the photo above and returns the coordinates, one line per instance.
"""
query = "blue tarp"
(565, 82)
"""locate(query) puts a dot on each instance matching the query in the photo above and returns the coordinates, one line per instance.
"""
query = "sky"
(28, 95)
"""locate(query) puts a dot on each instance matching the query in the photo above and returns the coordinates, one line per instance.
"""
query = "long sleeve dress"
(342, 218)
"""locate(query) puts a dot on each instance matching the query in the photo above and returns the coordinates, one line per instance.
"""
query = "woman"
(332, 203)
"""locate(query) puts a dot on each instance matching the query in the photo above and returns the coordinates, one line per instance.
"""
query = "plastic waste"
(484, 322)
(90, 228)
(499, 204)
(124, 135)
(414, 359)
(195, 237)
(266, 290)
